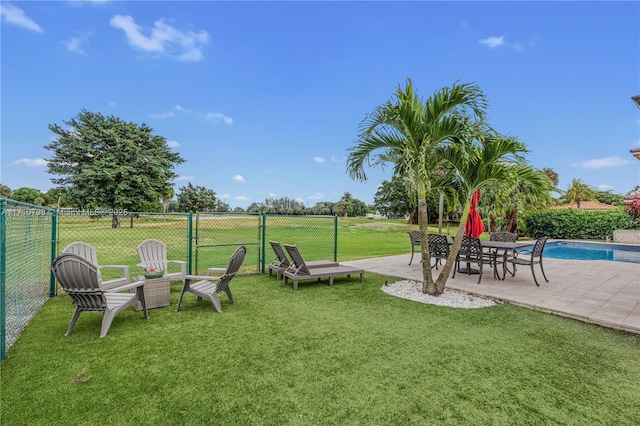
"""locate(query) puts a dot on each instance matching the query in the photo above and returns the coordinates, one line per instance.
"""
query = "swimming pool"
(592, 251)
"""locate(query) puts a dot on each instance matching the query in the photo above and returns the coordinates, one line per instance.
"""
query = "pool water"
(592, 251)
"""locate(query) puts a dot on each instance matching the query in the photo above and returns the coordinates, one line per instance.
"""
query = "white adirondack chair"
(81, 279)
(88, 252)
(153, 254)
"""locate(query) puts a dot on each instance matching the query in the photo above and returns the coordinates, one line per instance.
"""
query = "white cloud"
(181, 109)
(216, 117)
(14, 15)
(173, 144)
(161, 114)
(319, 160)
(599, 163)
(31, 162)
(238, 178)
(74, 44)
(272, 194)
(337, 160)
(492, 42)
(225, 196)
(163, 38)
(185, 178)
(605, 187)
(240, 198)
(316, 196)
(112, 104)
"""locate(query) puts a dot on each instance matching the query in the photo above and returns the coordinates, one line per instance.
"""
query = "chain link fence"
(26, 234)
(34, 236)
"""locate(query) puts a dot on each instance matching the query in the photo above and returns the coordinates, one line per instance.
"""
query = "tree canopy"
(108, 163)
(196, 199)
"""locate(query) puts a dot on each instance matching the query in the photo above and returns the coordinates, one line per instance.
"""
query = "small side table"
(157, 292)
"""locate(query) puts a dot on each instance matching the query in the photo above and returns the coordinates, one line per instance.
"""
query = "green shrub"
(575, 224)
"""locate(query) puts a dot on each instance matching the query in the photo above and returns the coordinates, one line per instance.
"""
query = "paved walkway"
(600, 292)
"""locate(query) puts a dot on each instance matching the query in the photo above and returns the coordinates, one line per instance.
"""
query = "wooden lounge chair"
(81, 279)
(89, 253)
(281, 262)
(153, 254)
(209, 286)
(300, 271)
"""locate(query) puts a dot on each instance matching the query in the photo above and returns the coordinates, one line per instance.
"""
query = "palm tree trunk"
(441, 282)
(440, 212)
(423, 220)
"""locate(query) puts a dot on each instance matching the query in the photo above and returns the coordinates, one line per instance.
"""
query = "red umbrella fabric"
(474, 226)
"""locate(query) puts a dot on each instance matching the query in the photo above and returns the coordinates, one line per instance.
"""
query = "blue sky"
(264, 99)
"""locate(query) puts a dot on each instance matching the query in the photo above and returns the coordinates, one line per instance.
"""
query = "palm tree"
(495, 162)
(579, 191)
(407, 132)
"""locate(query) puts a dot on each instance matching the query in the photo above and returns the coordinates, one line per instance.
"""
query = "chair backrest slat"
(83, 250)
(300, 266)
(81, 280)
(509, 237)
(153, 254)
(281, 256)
(538, 248)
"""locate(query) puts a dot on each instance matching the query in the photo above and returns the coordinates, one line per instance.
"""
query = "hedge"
(576, 224)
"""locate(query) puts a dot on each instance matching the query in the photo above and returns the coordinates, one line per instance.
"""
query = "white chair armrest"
(212, 270)
(125, 269)
(129, 286)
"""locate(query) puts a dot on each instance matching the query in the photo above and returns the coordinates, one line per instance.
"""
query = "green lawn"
(347, 354)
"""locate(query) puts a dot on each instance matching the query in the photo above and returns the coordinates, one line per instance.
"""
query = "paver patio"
(595, 291)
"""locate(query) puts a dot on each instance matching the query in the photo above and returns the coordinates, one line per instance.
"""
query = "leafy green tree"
(5, 191)
(393, 197)
(609, 197)
(109, 163)
(28, 195)
(349, 207)
(196, 199)
(408, 132)
(579, 191)
(57, 197)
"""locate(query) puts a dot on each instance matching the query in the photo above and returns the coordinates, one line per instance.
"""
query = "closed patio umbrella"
(474, 226)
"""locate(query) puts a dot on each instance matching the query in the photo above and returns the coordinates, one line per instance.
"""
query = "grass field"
(347, 354)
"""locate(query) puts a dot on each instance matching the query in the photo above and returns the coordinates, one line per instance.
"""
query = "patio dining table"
(504, 247)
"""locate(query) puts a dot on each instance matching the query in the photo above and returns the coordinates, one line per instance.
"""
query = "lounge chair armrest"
(129, 286)
(125, 269)
(182, 263)
(212, 270)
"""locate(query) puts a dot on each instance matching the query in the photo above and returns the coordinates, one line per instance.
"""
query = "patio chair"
(89, 253)
(81, 280)
(415, 242)
(153, 254)
(204, 287)
(470, 253)
(281, 262)
(300, 271)
(491, 255)
(438, 248)
(529, 257)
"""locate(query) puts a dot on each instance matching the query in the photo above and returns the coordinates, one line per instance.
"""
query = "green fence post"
(335, 238)
(54, 242)
(264, 237)
(190, 242)
(3, 274)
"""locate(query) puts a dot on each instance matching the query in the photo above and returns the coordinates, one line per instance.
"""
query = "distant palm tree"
(407, 132)
(579, 191)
